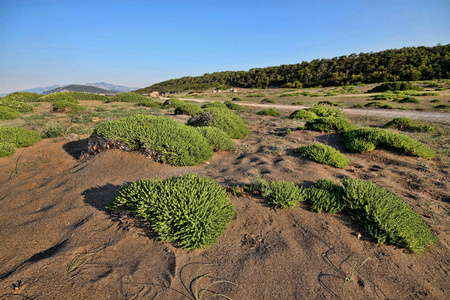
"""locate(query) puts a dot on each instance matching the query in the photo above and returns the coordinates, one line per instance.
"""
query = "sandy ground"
(59, 242)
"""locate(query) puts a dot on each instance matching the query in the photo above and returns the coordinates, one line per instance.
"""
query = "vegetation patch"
(408, 125)
(224, 119)
(268, 112)
(327, 102)
(303, 114)
(378, 104)
(21, 107)
(127, 97)
(326, 196)
(281, 194)
(385, 216)
(324, 154)
(395, 86)
(23, 97)
(232, 105)
(329, 124)
(324, 111)
(18, 137)
(7, 149)
(190, 211)
(409, 99)
(184, 108)
(367, 139)
(160, 138)
(148, 103)
(7, 113)
(217, 138)
(56, 97)
(171, 102)
(215, 104)
(442, 106)
(66, 106)
(88, 96)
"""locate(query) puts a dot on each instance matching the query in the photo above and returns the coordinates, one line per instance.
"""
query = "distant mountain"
(78, 88)
(112, 87)
(42, 89)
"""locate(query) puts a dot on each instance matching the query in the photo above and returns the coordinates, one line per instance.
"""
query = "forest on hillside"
(406, 64)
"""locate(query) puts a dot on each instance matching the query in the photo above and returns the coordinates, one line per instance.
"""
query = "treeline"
(406, 64)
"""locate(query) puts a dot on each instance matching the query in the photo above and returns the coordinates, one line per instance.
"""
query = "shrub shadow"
(100, 196)
(76, 149)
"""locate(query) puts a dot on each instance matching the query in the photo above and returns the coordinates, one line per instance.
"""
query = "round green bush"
(232, 105)
(19, 137)
(268, 112)
(217, 138)
(281, 194)
(21, 107)
(55, 97)
(23, 97)
(379, 104)
(127, 97)
(190, 211)
(408, 124)
(7, 149)
(161, 138)
(326, 196)
(325, 111)
(66, 106)
(148, 103)
(171, 102)
(183, 108)
(409, 99)
(214, 104)
(88, 96)
(224, 119)
(7, 113)
(329, 124)
(324, 154)
(303, 114)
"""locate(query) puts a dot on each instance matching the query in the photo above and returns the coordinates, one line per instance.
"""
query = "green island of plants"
(408, 124)
(221, 118)
(19, 106)
(367, 139)
(215, 104)
(326, 196)
(190, 211)
(16, 137)
(183, 108)
(159, 137)
(23, 97)
(317, 111)
(329, 124)
(232, 105)
(303, 114)
(268, 112)
(324, 154)
(385, 216)
(66, 106)
(281, 194)
(127, 97)
(55, 97)
(7, 113)
(217, 138)
(88, 96)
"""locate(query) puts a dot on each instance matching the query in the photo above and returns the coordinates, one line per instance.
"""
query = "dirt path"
(388, 113)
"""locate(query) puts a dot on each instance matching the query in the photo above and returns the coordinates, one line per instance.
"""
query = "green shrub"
(442, 106)
(53, 131)
(56, 97)
(66, 106)
(224, 119)
(324, 111)
(268, 112)
(367, 139)
(410, 99)
(214, 104)
(303, 114)
(21, 107)
(267, 100)
(148, 103)
(161, 138)
(19, 137)
(324, 154)
(255, 95)
(190, 211)
(217, 138)
(127, 97)
(379, 105)
(327, 102)
(87, 96)
(7, 149)
(326, 196)
(171, 102)
(281, 194)
(23, 97)
(408, 124)
(236, 99)
(385, 216)
(7, 113)
(329, 124)
(232, 105)
(184, 108)
(395, 86)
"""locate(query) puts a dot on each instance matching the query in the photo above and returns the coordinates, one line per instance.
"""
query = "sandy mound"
(59, 242)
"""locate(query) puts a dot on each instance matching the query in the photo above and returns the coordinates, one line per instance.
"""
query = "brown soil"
(59, 242)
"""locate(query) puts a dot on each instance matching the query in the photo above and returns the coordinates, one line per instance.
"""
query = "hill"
(78, 88)
(112, 87)
(406, 64)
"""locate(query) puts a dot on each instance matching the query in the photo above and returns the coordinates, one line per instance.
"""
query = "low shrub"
(232, 105)
(127, 97)
(214, 104)
(184, 108)
(224, 119)
(53, 131)
(379, 105)
(290, 95)
(395, 86)
(385, 216)
(56, 97)
(236, 99)
(255, 95)
(329, 124)
(7, 149)
(19, 137)
(324, 154)
(408, 124)
(66, 106)
(442, 106)
(303, 114)
(23, 97)
(324, 111)
(367, 139)
(217, 138)
(326, 196)
(148, 103)
(88, 96)
(190, 211)
(7, 113)
(409, 100)
(435, 101)
(21, 107)
(159, 137)
(327, 102)
(297, 103)
(268, 112)
(171, 102)
(281, 194)
(267, 100)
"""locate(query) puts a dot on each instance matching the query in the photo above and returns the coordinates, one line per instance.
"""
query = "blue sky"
(138, 43)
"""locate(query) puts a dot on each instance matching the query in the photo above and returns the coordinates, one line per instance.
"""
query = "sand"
(59, 241)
